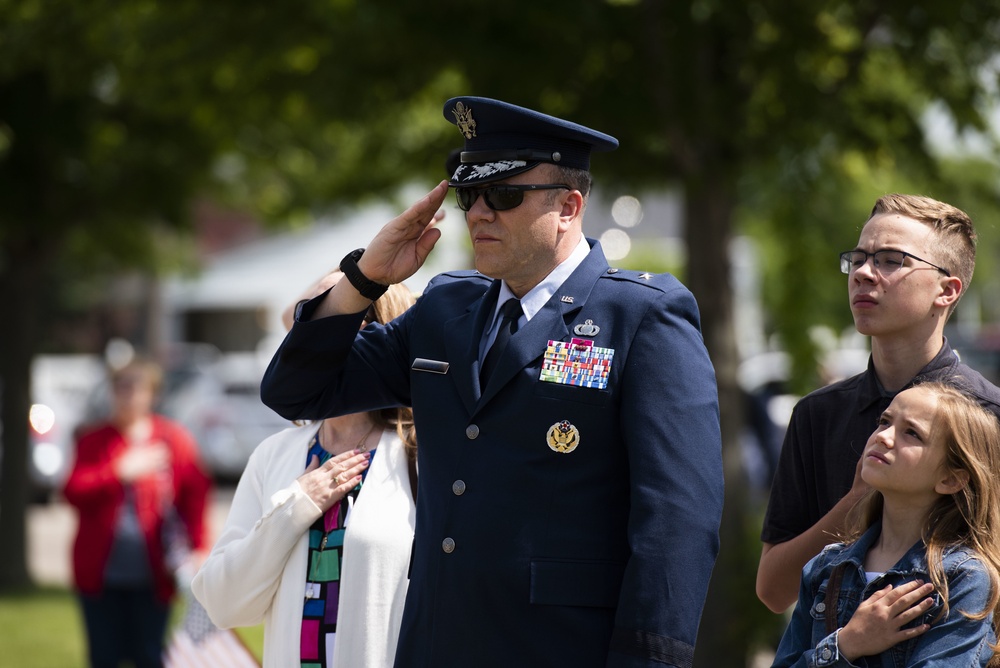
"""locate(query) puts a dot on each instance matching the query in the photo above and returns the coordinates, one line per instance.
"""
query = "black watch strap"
(368, 288)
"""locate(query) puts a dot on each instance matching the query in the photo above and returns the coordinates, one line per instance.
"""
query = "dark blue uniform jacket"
(589, 545)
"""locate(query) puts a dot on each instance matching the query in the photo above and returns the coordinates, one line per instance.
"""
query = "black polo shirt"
(827, 434)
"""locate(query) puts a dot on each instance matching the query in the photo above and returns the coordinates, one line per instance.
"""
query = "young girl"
(918, 582)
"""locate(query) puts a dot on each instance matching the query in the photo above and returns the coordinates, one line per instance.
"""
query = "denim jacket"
(954, 641)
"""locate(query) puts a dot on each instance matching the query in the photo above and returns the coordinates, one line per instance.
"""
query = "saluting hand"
(396, 253)
(401, 247)
(329, 483)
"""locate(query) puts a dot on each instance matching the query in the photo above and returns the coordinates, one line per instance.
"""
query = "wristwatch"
(368, 288)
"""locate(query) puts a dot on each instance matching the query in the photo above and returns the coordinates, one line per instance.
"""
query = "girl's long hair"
(969, 518)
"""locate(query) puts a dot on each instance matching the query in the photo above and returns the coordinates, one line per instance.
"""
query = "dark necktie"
(511, 311)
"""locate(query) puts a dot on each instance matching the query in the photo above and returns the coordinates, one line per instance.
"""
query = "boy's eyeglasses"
(502, 197)
(885, 261)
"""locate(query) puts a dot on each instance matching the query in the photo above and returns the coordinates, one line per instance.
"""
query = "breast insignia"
(563, 437)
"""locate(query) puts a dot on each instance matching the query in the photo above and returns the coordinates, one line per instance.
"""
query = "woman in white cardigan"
(319, 551)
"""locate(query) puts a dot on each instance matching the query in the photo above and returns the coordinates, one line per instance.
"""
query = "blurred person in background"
(317, 542)
(140, 491)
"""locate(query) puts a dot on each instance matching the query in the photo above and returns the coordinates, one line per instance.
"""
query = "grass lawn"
(43, 628)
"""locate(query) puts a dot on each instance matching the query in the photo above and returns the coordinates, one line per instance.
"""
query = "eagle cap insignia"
(463, 119)
(588, 328)
(563, 437)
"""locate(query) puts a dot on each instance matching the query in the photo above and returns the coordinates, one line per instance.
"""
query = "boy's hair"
(952, 227)
(970, 436)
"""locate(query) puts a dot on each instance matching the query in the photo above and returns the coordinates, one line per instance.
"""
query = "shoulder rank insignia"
(463, 119)
(563, 437)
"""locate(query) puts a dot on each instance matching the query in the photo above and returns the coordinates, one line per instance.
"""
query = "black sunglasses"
(500, 198)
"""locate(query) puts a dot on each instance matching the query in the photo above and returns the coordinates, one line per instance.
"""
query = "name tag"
(577, 362)
(430, 366)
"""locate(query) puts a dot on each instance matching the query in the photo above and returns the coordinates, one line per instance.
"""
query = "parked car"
(60, 385)
(220, 403)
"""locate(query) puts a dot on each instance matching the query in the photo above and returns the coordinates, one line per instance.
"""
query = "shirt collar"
(538, 296)
(912, 560)
(872, 391)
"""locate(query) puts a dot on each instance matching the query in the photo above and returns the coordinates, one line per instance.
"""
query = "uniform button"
(821, 607)
(472, 431)
(448, 545)
(458, 487)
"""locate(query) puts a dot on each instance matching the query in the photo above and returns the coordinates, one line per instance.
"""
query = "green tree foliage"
(778, 118)
(81, 168)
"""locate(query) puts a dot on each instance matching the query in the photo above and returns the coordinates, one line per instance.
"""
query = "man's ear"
(953, 481)
(951, 290)
(572, 207)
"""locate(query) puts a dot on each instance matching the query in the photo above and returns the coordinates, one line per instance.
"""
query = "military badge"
(463, 119)
(563, 437)
(588, 328)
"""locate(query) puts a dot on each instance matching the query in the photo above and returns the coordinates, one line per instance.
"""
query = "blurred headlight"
(47, 458)
(41, 418)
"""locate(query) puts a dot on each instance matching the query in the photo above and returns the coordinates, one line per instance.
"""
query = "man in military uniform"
(567, 415)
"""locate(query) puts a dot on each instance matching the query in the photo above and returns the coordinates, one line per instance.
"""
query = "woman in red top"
(136, 480)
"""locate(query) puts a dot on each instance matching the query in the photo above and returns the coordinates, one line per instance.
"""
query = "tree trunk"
(19, 292)
(723, 640)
